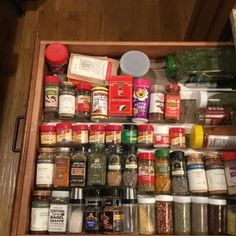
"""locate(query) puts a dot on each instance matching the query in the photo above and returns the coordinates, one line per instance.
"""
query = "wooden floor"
(138, 20)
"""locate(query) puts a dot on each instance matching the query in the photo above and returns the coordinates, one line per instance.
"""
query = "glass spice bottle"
(145, 135)
(66, 100)
(64, 133)
(129, 134)
(39, 212)
(45, 168)
(178, 173)
(162, 171)
(61, 167)
(48, 134)
(79, 134)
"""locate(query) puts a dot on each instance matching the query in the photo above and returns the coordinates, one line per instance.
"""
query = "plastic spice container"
(39, 212)
(182, 217)
(146, 165)
(145, 135)
(196, 173)
(66, 100)
(76, 211)
(230, 171)
(199, 215)
(172, 103)
(113, 133)
(47, 134)
(129, 134)
(215, 173)
(45, 168)
(147, 216)
(97, 134)
(61, 167)
(178, 173)
(164, 214)
(217, 216)
(80, 134)
(216, 137)
(99, 108)
(83, 100)
(64, 133)
(156, 107)
(58, 212)
(231, 216)
(177, 137)
(162, 171)
(57, 56)
(161, 137)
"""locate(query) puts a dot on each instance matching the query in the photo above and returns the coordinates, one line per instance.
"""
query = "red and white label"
(161, 140)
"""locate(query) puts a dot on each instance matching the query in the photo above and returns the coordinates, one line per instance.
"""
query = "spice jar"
(83, 100)
(47, 134)
(147, 216)
(161, 137)
(182, 217)
(196, 173)
(129, 134)
(58, 212)
(145, 135)
(130, 211)
(44, 168)
(80, 134)
(199, 215)
(213, 137)
(172, 103)
(112, 217)
(217, 216)
(57, 56)
(93, 211)
(146, 162)
(164, 214)
(99, 108)
(130, 173)
(39, 212)
(61, 167)
(230, 171)
(76, 211)
(66, 100)
(97, 134)
(231, 216)
(177, 137)
(162, 171)
(215, 173)
(156, 107)
(178, 173)
(64, 133)
(113, 134)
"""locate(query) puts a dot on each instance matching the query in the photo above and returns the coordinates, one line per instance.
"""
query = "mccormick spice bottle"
(113, 134)
(64, 133)
(80, 134)
(47, 134)
(129, 134)
(177, 137)
(161, 137)
(97, 134)
(145, 135)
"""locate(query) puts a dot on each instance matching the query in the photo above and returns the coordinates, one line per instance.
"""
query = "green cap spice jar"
(129, 134)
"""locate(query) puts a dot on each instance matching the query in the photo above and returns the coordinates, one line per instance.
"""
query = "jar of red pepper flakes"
(113, 133)
(97, 134)
(64, 133)
(48, 134)
(177, 137)
(145, 135)
(80, 134)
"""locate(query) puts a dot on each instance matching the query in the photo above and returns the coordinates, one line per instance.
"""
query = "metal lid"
(62, 194)
(77, 195)
(62, 149)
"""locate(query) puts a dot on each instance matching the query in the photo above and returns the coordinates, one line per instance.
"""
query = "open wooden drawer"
(26, 174)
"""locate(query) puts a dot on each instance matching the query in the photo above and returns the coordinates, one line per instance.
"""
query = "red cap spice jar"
(48, 134)
(145, 135)
(177, 137)
(80, 134)
(56, 55)
(113, 133)
(64, 133)
(97, 134)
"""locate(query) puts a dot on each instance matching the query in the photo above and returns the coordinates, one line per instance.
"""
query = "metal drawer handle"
(15, 135)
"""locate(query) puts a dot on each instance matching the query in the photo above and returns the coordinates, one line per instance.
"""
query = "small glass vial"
(182, 217)
(231, 216)
(76, 211)
(45, 168)
(113, 134)
(83, 100)
(48, 134)
(129, 134)
(97, 134)
(217, 216)
(199, 215)
(61, 168)
(161, 137)
(147, 217)
(39, 212)
(64, 134)
(145, 135)
(66, 101)
(177, 137)
(80, 134)
(58, 212)
(164, 214)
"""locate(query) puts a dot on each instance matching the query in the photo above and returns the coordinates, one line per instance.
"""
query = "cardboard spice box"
(26, 174)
